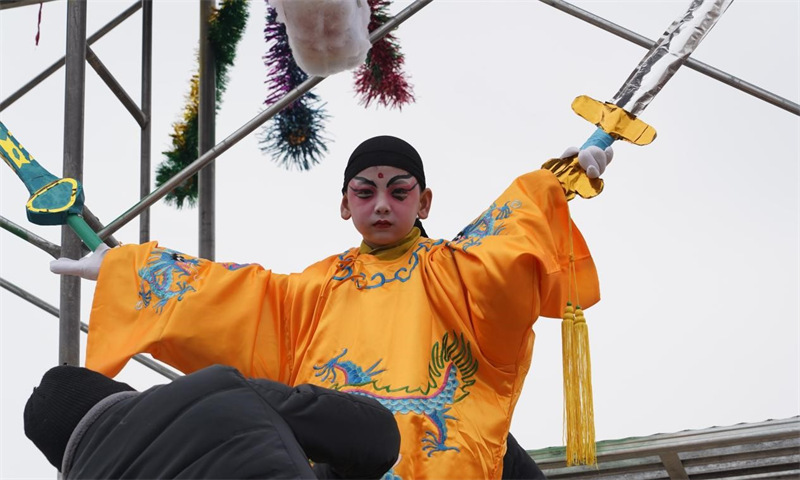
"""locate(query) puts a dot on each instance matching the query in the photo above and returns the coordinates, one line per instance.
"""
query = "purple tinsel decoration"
(294, 134)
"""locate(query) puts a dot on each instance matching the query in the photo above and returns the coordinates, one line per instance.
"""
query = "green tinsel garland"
(226, 27)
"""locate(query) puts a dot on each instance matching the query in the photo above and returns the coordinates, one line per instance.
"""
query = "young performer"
(439, 332)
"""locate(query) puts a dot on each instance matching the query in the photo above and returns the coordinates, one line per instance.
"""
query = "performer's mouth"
(382, 224)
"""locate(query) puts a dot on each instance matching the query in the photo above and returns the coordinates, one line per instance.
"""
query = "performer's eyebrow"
(366, 180)
(398, 178)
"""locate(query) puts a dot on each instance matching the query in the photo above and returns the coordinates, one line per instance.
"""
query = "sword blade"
(668, 54)
(653, 72)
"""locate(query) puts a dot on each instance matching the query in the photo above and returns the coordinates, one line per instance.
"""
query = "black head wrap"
(385, 150)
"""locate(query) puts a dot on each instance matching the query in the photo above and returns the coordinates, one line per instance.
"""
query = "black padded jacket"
(217, 424)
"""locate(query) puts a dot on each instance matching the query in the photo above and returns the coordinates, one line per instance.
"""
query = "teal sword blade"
(53, 200)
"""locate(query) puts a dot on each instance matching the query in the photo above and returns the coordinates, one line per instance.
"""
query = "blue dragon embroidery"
(451, 372)
(378, 279)
(160, 278)
(488, 223)
(234, 266)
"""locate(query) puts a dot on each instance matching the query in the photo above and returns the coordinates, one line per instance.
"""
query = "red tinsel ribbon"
(39, 24)
(381, 78)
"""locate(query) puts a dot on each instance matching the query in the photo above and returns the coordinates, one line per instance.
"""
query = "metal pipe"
(206, 113)
(30, 237)
(395, 21)
(34, 300)
(146, 105)
(28, 297)
(60, 63)
(20, 3)
(115, 86)
(74, 96)
(696, 65)
(246, 129)
(94, 222)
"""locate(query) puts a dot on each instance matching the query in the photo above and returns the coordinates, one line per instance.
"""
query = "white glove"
(326, 36)
(592, 159)
(87, 267)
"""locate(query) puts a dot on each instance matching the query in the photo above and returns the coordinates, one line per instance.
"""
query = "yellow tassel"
(587, 449)
(571, 400)
(578, 403)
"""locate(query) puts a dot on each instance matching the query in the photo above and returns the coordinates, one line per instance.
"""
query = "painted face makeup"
(383, 203)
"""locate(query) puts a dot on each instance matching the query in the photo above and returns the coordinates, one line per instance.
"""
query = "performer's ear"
(344, 208)
(425, 200)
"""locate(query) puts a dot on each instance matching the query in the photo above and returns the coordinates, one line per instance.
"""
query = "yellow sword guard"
(614, 120)
(47, 187)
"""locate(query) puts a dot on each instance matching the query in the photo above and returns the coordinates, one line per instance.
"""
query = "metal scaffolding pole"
(75, 86)
(30, 237)
(701, 67)
(34, 300)
(146, 107)
(206, 114)
(115, 86)
(60, 63)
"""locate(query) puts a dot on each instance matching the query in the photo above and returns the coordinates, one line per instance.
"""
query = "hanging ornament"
(39, 24)
(326, 36)
(381, 77)
(293, 136)
(226, 27)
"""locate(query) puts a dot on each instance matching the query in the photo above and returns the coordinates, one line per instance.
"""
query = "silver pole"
(20, 3)
(115, 86)
(60, 63)
(698, 66)
(147, 96)
(206, 114)
(28, 297)
(246, 129)
(97, 225)
(30, 237)
(34, 300)
(75, 81)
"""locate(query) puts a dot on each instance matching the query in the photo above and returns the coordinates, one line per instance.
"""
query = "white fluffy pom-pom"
(326, 36)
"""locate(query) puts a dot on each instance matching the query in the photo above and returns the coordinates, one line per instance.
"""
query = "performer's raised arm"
(186, 311)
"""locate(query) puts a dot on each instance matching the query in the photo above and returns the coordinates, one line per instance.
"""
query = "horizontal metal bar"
(97, 225)
(395, 21)
(28, 297)
(4, 4)
(30, 237)
(60, 63)
(696, 65)
(33, 299)
(245, 130)
(115, 87)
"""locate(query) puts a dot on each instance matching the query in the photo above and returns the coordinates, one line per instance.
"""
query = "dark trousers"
(518, 465)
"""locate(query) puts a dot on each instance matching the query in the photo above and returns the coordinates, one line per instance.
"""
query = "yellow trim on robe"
(440, 335)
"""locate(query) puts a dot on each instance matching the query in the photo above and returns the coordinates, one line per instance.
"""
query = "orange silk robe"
(441, 335)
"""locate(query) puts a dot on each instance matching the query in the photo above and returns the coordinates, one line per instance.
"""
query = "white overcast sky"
(695, 237)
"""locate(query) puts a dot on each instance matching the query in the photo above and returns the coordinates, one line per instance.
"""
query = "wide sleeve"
(187, 312)
(521, 259)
